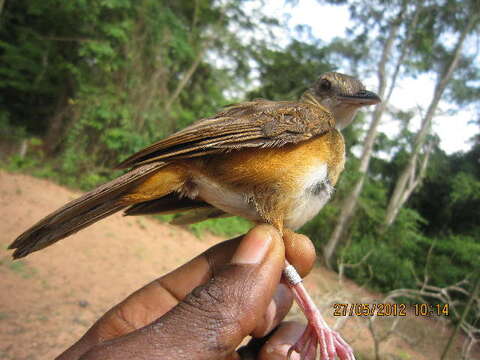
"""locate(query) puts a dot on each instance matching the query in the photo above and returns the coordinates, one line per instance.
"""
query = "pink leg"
(317, 332)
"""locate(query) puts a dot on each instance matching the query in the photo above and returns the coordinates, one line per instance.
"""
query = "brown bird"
(268, 161)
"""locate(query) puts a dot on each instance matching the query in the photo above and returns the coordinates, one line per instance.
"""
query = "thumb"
(214, 318)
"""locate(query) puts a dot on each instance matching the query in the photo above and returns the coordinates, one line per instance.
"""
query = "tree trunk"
(412, 181)
(185, 78)
(402, 191)
(55, 130)
(349, 204)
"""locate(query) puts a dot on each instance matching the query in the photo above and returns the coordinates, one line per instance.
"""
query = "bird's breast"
(294, 182)
(313, 193)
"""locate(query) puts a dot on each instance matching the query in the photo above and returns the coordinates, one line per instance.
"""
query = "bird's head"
(343, 95)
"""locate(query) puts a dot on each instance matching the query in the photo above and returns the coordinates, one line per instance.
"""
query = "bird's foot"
(330, 343)
(317, 333)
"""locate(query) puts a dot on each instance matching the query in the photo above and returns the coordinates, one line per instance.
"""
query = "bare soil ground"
(48, 300)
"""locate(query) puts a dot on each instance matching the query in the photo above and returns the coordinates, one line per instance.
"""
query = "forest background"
(84, 84)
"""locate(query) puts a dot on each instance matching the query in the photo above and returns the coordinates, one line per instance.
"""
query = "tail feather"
(79, 213)
(168, 204)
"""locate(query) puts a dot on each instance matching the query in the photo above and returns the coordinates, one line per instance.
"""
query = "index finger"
(180, 282)
(161, 295)
(158, 297)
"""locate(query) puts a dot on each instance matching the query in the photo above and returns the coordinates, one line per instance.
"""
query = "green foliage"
(394, 258)
(94, 78)
(226, 227)
(387, 258)
(464, 188)
(462, 251)
(450, 198)
(286, 74)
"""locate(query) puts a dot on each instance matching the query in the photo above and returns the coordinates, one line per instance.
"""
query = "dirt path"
(48, 300)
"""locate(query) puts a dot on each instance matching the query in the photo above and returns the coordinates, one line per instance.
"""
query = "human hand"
(205, 308)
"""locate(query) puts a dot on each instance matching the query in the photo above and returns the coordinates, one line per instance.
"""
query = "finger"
(215, 317)
(161, 295)
(277, 309)
(281, 340)
(158, 297)
(300, 251)
(155, 299)
(199, 270)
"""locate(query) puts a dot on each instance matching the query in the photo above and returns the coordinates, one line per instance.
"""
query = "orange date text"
(370, 309)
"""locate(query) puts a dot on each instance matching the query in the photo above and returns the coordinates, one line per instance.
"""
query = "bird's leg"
(317, 333)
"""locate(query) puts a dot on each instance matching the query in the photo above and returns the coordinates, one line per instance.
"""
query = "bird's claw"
(330, 343)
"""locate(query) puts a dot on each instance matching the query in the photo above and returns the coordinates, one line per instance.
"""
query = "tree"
(399, 22)
(97, 80)
(467, 19)
(285, 74)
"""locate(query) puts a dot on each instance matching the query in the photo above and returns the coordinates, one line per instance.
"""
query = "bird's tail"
(130, 188)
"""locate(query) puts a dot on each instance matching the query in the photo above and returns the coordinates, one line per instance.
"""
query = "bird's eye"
(325, 84)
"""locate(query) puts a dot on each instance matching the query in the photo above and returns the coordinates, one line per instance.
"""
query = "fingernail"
(254, 246)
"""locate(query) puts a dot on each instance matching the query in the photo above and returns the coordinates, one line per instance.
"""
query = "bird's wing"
(259, 123)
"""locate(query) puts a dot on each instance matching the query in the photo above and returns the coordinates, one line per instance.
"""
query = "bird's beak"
(361, 98)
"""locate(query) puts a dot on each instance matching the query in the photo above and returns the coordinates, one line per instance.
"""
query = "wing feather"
(260, 123)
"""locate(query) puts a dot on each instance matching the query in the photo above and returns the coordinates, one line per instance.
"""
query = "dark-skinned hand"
(205, 308)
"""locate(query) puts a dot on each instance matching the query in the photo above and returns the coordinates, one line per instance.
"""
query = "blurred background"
(85, 83)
